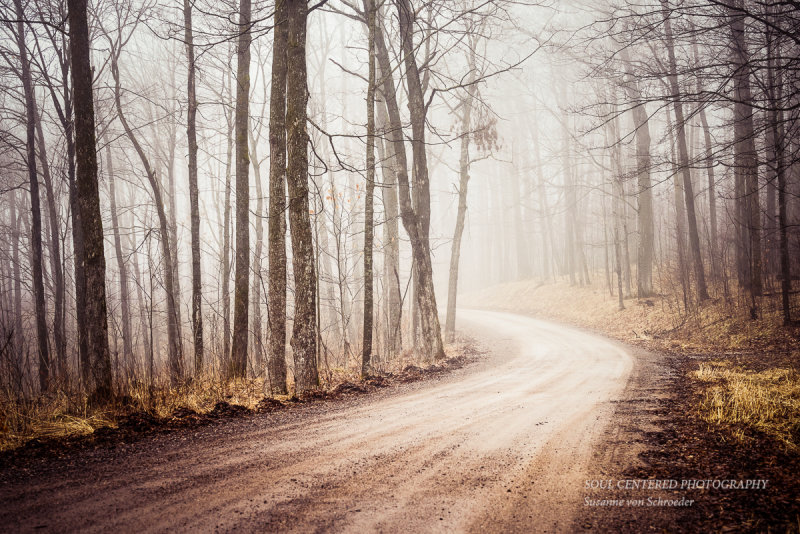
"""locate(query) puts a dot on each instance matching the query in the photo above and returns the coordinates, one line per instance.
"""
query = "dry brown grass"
(767, 401)
(61, 415)
(52, 416)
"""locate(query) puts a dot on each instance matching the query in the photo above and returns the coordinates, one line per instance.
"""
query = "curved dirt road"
(501, 445)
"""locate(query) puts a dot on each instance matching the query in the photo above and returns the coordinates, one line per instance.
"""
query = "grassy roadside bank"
(60, 420)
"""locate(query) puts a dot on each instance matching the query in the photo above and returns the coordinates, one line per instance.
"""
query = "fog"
(563, 184)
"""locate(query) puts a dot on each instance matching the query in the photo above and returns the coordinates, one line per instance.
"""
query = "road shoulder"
(639, 416)
(657, 435)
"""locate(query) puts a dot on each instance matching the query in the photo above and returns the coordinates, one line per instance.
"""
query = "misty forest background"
(204, 191)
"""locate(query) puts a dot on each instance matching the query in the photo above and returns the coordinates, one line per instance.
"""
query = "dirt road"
(500, 445)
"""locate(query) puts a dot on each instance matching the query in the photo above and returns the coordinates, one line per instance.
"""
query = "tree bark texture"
(369, 228)
(194, 205)
(417, 222)
(238, 362)
(304, 327)
(276, 231)
(95, 325)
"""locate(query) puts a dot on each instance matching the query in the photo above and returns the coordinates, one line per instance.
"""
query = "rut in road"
(501, 445)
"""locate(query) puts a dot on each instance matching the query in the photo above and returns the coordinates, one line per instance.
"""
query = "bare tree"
(276, 230)
(644, 194)
(466, 104)
(369, 228)
(226, 225)
(194, 205)
(36, 214)
(304, 327)
(94, 262)
(125, 305)
(258, 253)
(391, 233)
(777, 128)
(683, 156)
(56, 267)
(61, 95)
(417, 222)
(238, 361)
(745, 162)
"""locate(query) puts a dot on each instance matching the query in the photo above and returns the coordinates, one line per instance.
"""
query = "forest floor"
(713, 395)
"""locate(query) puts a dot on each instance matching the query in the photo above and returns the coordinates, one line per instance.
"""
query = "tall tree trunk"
(786, 274)
(745, 158)
(169, 162)
(194, 205)
(369, 228)
(150, 335)
(606, 258)
(571, 205)
(617, 199)
(79, 268)
(625, 238)
(417, 222)
(143, 307)
(95, 325)
(396, 146)
(712, 195)
(226, 244)
(775, 123)
(19, 338)
(463, 183)
(345, 297)
(258, 341)
(65, 113)
(125, 306)
(716, 260)
(36, 215)
(615, 214)
(346, 240)
(56, 267)
(770, 221)
(238, 362)
(276, 297)
(304, 335)
(583, 267)
(644, 194)
(680, 213)
(683, 156)
(391, 232)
